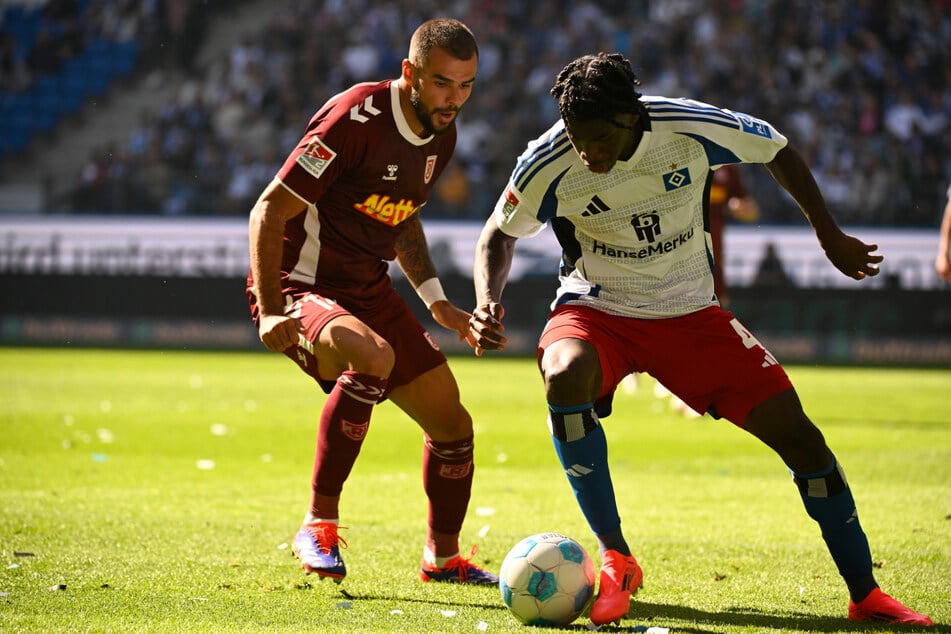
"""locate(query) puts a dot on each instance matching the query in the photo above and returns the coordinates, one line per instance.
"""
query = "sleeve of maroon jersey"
(329, 146)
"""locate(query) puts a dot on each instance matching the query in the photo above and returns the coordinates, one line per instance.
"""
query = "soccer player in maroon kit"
(345, 202)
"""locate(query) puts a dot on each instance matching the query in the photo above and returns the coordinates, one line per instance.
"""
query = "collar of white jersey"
(639, 153)
(401, 123)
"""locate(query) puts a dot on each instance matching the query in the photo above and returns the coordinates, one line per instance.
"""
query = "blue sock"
(583, 451)
(828, 500)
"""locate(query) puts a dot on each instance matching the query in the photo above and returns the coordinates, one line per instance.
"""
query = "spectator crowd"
(863, 88)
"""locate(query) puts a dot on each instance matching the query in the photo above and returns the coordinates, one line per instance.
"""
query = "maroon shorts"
(706, 358)
(415, 350)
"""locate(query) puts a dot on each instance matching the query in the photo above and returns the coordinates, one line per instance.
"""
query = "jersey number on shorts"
(752, 342)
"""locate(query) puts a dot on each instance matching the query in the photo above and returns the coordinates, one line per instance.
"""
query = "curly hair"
(597, 87)
(446, 33)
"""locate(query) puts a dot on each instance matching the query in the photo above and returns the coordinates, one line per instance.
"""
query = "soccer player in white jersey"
(622, 179)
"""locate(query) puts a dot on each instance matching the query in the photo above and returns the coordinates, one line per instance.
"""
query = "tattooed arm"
(412, 254)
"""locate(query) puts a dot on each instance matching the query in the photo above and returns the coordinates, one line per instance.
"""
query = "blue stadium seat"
(71, 92)
(125, 56)
(47, 95)
(82, 75)
(22, 22)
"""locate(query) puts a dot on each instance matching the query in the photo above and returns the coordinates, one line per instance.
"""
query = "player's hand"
(485, 328)
(279, 332)
(852, 256)
(942, 266)
(451, 317)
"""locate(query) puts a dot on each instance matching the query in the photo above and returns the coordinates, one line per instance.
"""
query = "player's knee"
(374, 357)
(781, 423)
(447, 424)
(571, 375)
(460, 425)
(349, 344)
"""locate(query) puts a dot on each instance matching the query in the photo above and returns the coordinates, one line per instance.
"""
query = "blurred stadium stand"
(123, 57)
(135, 134)
(53, 66)
(142, 117)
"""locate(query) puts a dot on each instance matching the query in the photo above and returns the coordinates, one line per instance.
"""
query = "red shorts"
(706, 358)
(415, 350)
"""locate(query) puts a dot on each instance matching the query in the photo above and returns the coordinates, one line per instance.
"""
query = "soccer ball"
(547, 579)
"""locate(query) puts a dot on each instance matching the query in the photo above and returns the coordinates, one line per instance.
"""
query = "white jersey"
(634, 239)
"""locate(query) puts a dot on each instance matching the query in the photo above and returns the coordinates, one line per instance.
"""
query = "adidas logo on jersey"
(595, 207)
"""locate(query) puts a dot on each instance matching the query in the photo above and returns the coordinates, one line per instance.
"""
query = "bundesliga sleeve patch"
(755, 126)
(511, 201)
(316, 157)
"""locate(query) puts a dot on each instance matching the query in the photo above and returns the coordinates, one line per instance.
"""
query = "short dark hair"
(446, 33)
(597, 87)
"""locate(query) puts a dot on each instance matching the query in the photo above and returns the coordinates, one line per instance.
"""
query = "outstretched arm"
(850, 255)
(942, 263)
(272, 210)
(412, 254)
(490, 271)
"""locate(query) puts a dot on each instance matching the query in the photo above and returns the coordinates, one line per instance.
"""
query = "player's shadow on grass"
(644, 613)
(357, 596)
(660, 614)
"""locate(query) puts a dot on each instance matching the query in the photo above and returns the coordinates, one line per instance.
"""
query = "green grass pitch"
(159, 491)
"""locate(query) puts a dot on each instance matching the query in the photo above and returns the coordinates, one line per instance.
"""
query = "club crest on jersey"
(430, 168)
(676, 179)
(316, 157)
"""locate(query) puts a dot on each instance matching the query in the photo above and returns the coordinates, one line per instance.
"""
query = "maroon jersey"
(362, 172)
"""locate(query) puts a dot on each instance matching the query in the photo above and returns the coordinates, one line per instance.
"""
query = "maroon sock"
(447, 479)
(344, 421)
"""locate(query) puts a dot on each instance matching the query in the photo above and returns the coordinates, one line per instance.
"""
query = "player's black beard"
(425, 116)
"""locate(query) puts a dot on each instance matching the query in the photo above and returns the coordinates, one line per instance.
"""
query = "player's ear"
(407, 71)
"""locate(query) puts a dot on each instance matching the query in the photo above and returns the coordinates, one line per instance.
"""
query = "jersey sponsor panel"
(383, 209)
(655, 249)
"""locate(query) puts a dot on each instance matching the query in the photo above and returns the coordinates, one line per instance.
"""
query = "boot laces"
(326, 536)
